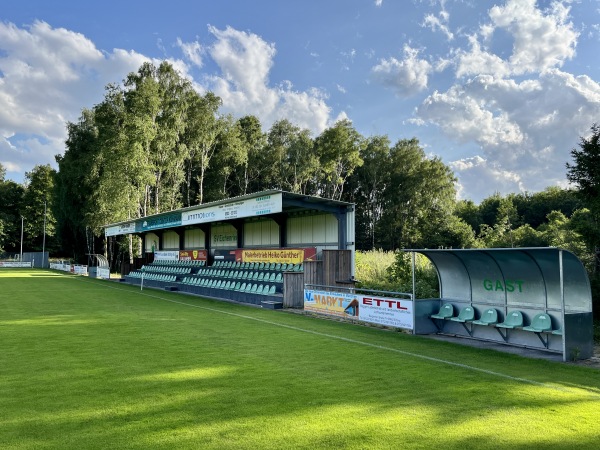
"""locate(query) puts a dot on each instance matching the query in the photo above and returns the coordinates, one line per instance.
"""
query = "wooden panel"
(313, 272)
(293, 290)
(337, 267)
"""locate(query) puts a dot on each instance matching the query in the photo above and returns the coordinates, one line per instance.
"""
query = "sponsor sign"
(391, 312)
(14, 264)
(331, 303)
(79, 270)
(192, 255)
(103, 272)
(224, 238)
(170, 255)
(61, 266)
(257, 206)
(155, 223)
(125, 228)
(286, 255)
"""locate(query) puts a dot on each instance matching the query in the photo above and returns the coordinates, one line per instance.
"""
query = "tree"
(585, 174)
(585, 170)
(248, 177)
(419, 200)
(366, 188)
(339, 149)
(11, 201)
(37, 208)
(204, 124)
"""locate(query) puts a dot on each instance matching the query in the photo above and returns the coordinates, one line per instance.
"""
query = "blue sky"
(501, 91)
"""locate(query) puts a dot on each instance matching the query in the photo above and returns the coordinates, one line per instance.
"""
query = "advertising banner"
(103, 272)
(155, 223)
(14, 264)
(331, 303)
(166, 255)
(267, 204)
(125, 228)
(391, 312)
(276, 255)
(192, 255)
(79, 270)
(286, 255)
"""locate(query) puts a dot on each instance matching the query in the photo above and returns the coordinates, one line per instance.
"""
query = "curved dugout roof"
(517, 277)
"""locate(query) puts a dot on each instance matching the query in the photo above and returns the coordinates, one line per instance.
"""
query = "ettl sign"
(390, 312)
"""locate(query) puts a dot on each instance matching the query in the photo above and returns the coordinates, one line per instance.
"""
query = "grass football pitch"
(88, 364)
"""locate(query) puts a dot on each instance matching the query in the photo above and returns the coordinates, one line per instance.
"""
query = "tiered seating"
(151, 276)
(167, 269)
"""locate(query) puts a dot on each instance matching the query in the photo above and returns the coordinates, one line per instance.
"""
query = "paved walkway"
(522, 351)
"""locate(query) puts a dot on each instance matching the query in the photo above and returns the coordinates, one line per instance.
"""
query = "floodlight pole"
(44, 240)
(21, 256)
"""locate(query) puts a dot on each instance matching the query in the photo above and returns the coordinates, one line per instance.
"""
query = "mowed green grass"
(95, 364)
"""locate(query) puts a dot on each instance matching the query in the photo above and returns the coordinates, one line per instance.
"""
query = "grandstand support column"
(239, 227)
(281, 221)
(342, 238)
(206, 227)
(181, 233)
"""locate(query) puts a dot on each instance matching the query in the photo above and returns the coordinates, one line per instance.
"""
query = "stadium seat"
(558, 332)
(467, 314)
(279, 278)
(254, 289)
(237, 286)
(261, 276)
(514, 319)
(445, 312)
(242, 287)
(541, 323)
(272, 290)
(489, 317)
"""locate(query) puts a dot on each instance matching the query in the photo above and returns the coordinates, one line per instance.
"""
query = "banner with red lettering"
(390, 312)
(192, 255)
(276, 255)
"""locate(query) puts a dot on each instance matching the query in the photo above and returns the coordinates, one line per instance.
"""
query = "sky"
(500, 91)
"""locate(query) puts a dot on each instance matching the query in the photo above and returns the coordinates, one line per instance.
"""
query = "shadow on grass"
(126, 371)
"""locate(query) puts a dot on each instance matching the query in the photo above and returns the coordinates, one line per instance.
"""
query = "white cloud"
(527, 128)
(245, 61)
(48, 76)
(477, 61)
(406, 77)
(378, 2)
(542, 39)
(480, 176)
(192, 51)
(439, 22)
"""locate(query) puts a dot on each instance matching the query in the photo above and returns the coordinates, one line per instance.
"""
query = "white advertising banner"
(390, 312)
(125, 228)
(257, 206)
(103, 272)
(80, 270)
(166, 255)
(14, 264)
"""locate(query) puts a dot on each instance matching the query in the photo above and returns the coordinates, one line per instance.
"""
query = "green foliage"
(392, 271)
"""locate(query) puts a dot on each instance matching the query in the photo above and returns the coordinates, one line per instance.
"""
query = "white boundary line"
(363, 343)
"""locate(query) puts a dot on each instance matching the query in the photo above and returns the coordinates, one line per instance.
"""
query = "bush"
(391, 271)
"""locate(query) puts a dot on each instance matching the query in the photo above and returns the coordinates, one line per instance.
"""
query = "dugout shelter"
(532, 297)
